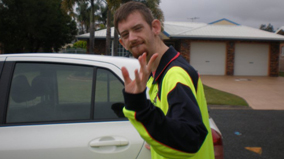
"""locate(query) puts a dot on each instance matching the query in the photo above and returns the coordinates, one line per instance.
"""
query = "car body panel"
(214, 126)
(70, 140)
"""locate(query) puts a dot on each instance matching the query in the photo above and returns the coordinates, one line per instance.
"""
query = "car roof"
(116, 60)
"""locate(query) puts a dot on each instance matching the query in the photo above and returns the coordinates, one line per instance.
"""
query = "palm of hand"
(138, 85)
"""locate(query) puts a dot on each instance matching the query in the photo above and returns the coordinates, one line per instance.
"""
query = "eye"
(124, 35)
(138, 28)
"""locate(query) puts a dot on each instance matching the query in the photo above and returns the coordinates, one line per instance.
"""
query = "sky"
(250, 13)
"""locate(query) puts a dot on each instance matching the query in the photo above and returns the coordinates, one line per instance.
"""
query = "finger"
(137, 78)
(152, 60)
(142, 62)
(139, 85)
(125, 75)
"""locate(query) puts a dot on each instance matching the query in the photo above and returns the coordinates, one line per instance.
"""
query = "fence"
(73, 51)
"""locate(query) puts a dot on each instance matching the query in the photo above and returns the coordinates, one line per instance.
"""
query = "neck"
(160, 49)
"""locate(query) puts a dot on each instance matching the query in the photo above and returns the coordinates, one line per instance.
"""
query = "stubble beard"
(139, 50)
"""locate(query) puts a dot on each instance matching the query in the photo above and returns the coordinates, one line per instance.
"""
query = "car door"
(64, 110)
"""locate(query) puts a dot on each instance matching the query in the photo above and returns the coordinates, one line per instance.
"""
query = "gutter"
(226, 38)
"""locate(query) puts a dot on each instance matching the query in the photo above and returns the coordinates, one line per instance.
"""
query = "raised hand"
(138, 85)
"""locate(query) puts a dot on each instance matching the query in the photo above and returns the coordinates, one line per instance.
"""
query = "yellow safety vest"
(175, 121)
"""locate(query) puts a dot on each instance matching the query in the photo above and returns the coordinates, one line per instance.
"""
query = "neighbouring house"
(281, 58)
(222, 47)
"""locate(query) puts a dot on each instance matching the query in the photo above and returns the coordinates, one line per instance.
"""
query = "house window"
(282, 51)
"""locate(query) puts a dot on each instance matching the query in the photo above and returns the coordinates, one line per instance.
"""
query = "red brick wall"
(99, 48)
(281, 60)
(230, 58)
(274, 59)
(185, 49)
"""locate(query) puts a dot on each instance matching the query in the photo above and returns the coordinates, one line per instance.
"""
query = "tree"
(67, 5)
(269, 27)
(83, 16)
(108, 35)
(83, 12)
(102, 15)
(28, 25)
(153, 5)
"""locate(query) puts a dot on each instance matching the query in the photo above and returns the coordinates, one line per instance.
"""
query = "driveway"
(264, 93)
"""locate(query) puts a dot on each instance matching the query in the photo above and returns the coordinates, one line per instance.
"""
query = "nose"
(132, 36)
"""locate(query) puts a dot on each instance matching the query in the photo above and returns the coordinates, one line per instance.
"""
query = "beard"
(138, 48)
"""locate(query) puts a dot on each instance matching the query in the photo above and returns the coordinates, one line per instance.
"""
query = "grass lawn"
(217, 97)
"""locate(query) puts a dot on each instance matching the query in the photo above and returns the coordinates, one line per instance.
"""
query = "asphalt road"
(260, 129)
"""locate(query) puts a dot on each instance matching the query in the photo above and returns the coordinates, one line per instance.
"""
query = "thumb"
(152, 61)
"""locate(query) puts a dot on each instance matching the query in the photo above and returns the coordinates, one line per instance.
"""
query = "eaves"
(227, 38)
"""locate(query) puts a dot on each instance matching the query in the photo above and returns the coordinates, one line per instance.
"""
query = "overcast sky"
(251, 13)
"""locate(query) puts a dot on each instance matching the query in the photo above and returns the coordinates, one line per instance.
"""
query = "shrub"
(80, 44)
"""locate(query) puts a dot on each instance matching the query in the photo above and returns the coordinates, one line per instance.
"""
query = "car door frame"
(10, 63)
(5, 84)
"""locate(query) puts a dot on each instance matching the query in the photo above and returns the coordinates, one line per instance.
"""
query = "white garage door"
(208, 58)
(251, 59)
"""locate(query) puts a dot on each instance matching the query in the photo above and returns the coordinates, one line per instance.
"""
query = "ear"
(156, 27)
(122, 43)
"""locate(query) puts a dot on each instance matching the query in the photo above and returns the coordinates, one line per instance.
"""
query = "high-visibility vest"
(175, 121)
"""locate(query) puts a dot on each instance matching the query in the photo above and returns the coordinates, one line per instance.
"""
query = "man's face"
(136, 35)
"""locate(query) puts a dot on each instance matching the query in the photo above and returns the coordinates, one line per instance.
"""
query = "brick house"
(222, 47)
(280, 31)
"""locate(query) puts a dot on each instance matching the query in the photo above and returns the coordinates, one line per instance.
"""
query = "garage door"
(251, 59)
(208, 58)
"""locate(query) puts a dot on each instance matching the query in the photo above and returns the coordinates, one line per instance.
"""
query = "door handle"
(109, 141)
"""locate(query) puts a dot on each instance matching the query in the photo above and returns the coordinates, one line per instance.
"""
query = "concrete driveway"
(265, 93)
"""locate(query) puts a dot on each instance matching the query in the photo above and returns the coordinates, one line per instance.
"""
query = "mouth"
(136, 45)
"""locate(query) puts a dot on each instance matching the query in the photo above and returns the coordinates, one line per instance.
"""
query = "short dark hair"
(127, 8)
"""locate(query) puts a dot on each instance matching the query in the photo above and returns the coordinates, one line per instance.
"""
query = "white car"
(67, 106)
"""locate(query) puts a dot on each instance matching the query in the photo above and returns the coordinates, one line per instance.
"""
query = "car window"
(50, 92)
(108, 96)
(58, 92)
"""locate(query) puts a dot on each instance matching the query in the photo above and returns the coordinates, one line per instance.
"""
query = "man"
(174, 122)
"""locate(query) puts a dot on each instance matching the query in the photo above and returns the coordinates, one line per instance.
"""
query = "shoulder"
(180, 71)
(182, 64)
